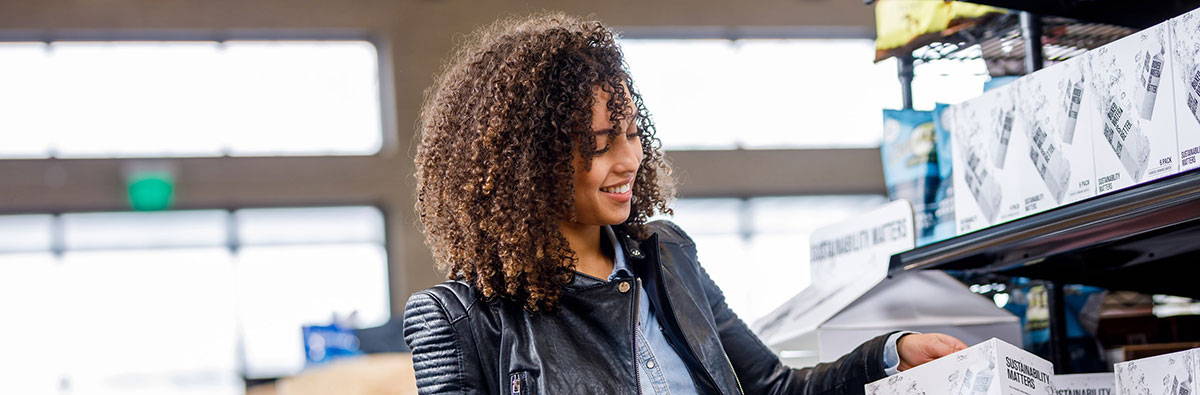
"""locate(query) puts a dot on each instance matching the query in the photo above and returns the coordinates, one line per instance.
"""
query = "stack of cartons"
(1121, 115)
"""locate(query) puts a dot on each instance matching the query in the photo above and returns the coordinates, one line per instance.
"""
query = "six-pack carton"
(992, 367)
(1168, 374)
(1130, 81)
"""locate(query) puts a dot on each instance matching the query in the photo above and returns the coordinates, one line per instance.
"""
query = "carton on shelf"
(1135, 139)
(1084, 384)
(1060, 159)
(992, 367)
(985, 132)
(1185, 44)
(1170, 374)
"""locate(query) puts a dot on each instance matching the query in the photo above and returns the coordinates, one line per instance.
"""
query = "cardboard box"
(985, 133)
(1060, 160)
(1084, 384)
(1185, 48)
(1171, 374)
(992, 367)
(1135, 140)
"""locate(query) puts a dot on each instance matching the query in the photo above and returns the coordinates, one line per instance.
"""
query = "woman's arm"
(761, 372)
(439, 362)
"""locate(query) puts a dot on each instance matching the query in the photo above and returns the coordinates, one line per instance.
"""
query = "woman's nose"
(628, 152)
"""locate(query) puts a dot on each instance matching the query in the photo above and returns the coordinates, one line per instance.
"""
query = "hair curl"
(499, 131)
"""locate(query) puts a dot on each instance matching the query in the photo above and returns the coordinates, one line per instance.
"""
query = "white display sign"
(992, 367)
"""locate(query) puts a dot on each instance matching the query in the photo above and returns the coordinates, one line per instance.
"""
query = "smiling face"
(603, 193)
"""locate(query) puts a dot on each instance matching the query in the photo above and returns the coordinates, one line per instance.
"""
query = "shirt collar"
(620, 267)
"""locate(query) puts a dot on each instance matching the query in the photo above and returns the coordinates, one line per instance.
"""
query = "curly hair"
(499, 131)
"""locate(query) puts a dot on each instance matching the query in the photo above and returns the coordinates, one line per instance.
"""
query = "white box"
(992, 367)
(986, 134)
(1061, 169)
(1185, 49)
(1084, 384)
(1170, 374)
(1135, 139)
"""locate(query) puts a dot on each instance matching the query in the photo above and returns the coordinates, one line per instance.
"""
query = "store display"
(1185, 37)
(992, 367)
(1137, 140)
(916, 167)
(1171, 374)
(1051, 99)
(1084, 384)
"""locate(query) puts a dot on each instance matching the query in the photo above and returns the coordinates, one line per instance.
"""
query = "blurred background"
(194, 192)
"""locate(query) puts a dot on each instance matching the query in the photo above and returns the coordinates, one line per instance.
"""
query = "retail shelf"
(1145, 238)
(998, 41)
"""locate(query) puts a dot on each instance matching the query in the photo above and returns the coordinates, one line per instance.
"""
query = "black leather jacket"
(461, 344)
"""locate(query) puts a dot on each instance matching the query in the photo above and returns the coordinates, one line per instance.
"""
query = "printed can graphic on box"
(1185, 62)
(1171, 374)
(992, 367)
(1050, 105)
(985, 132)
(1135, 140)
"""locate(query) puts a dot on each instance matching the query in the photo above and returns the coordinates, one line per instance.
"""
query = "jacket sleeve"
(437, 351)
(761, 372)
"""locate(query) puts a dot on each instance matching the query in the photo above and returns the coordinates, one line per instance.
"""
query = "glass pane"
(151, 321)
(310, 225)
(119, 99)
(767, 265)
(302, 98)
(32, 306)
(282, 288)
(25, 103)
(760, 93)
(190, 98)
(145, 230)
(25, 233)
(717, 216)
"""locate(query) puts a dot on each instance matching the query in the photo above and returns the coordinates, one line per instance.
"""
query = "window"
(189, 98)
(181, 301)
(756, 249)
(781, 93)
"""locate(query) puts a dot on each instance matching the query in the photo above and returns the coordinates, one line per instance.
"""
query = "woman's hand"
(919, 348)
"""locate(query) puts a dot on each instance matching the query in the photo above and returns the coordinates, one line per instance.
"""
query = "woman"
(537, 170)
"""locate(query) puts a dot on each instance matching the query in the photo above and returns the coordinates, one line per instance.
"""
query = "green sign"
(151, 190)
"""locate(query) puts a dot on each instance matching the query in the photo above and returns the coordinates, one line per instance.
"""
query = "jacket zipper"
(637, 380)
(670, 306)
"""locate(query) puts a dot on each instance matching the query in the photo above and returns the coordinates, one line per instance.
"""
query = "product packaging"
(985, 132)
(1084, 384)
(1136, 138)
(1170, 374)
(916, 166)
(1185, 37)
(1061, 159)
(992, 367)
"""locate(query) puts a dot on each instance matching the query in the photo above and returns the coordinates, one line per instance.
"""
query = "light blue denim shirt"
(661, 370)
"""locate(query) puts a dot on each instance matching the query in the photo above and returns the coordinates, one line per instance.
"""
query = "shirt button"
(623, 287)
(649, 364)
